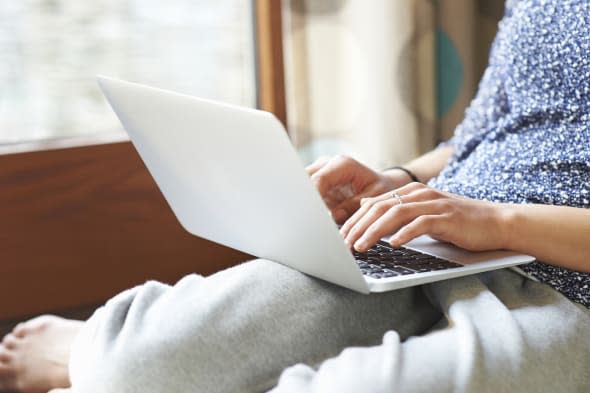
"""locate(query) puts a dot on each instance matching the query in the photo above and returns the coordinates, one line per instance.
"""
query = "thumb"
(346, 208)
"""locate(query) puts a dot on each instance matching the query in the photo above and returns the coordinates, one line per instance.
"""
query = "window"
(50, 51)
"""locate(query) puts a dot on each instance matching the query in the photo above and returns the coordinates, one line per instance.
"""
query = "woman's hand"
(343, 182)
(471, 224)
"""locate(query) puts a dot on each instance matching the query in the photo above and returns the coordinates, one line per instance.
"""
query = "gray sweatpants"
(262, 326)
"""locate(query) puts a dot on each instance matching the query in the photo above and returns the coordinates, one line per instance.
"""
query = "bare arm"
(554, 234)
(428, 165)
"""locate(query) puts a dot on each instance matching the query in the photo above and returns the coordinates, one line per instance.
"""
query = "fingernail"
(394, 241)
(360, 244)
(340, 215)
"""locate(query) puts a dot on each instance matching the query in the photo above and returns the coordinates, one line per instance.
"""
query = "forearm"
(553, 234)
(428, 165)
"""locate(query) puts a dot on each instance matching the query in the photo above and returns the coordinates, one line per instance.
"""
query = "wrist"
(401, 175)
(396, 178)
(508, 218)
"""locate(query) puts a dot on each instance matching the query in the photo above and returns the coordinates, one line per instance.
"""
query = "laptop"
(232, 176)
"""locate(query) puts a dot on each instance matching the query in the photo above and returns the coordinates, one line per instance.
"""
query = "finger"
(323, 180)
(348, 207)
(364, 205)
(432, 225)
(413, 192)
(342, 212)
(341, 192)
(336, 194)
(409, 193)
(334, 197)
(335, 172)
(392, 220)
(376, 211)
(317, 165)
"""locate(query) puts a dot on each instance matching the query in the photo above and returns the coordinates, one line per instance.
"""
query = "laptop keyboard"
(384, 261)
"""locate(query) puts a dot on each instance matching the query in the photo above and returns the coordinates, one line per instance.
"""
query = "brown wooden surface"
(269, 56)
(78, 225)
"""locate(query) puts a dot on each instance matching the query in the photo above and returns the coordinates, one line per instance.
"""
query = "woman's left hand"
(468, 223)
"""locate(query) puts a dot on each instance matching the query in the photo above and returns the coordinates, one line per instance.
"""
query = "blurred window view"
(50, 51)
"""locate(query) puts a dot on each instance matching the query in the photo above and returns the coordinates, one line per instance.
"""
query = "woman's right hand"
(343, 182)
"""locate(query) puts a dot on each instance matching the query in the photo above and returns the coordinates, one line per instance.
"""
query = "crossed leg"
(233, 331)
(239, 329)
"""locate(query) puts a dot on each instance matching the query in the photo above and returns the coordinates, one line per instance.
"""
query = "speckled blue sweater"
(526, 135)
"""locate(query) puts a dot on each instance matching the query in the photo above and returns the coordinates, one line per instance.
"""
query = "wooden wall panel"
(78, 225)
(83, 221)
(269, 58)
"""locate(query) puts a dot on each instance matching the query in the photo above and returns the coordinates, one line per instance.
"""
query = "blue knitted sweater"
(526, 135)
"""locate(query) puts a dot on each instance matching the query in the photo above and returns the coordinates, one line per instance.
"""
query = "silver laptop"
(231, 175)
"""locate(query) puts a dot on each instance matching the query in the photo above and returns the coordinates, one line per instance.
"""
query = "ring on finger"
(397, 197)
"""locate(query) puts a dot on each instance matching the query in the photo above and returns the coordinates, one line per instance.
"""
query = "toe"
(20, 330)
(5, 369)
(5, 356)
(35, 325)
(32, 325)
(10, 341)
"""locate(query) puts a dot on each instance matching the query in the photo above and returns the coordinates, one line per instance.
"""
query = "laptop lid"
(231, 175)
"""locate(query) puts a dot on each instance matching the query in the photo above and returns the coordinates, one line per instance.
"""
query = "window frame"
(83, 218)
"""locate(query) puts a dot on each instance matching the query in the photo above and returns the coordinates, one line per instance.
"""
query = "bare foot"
(34, 357)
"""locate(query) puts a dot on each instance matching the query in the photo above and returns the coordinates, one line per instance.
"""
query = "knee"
(121, 349)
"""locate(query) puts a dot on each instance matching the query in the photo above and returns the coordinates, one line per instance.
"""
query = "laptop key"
(402, 270)
(384, 261)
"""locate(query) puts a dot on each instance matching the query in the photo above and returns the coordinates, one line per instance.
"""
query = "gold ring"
(397, 196)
